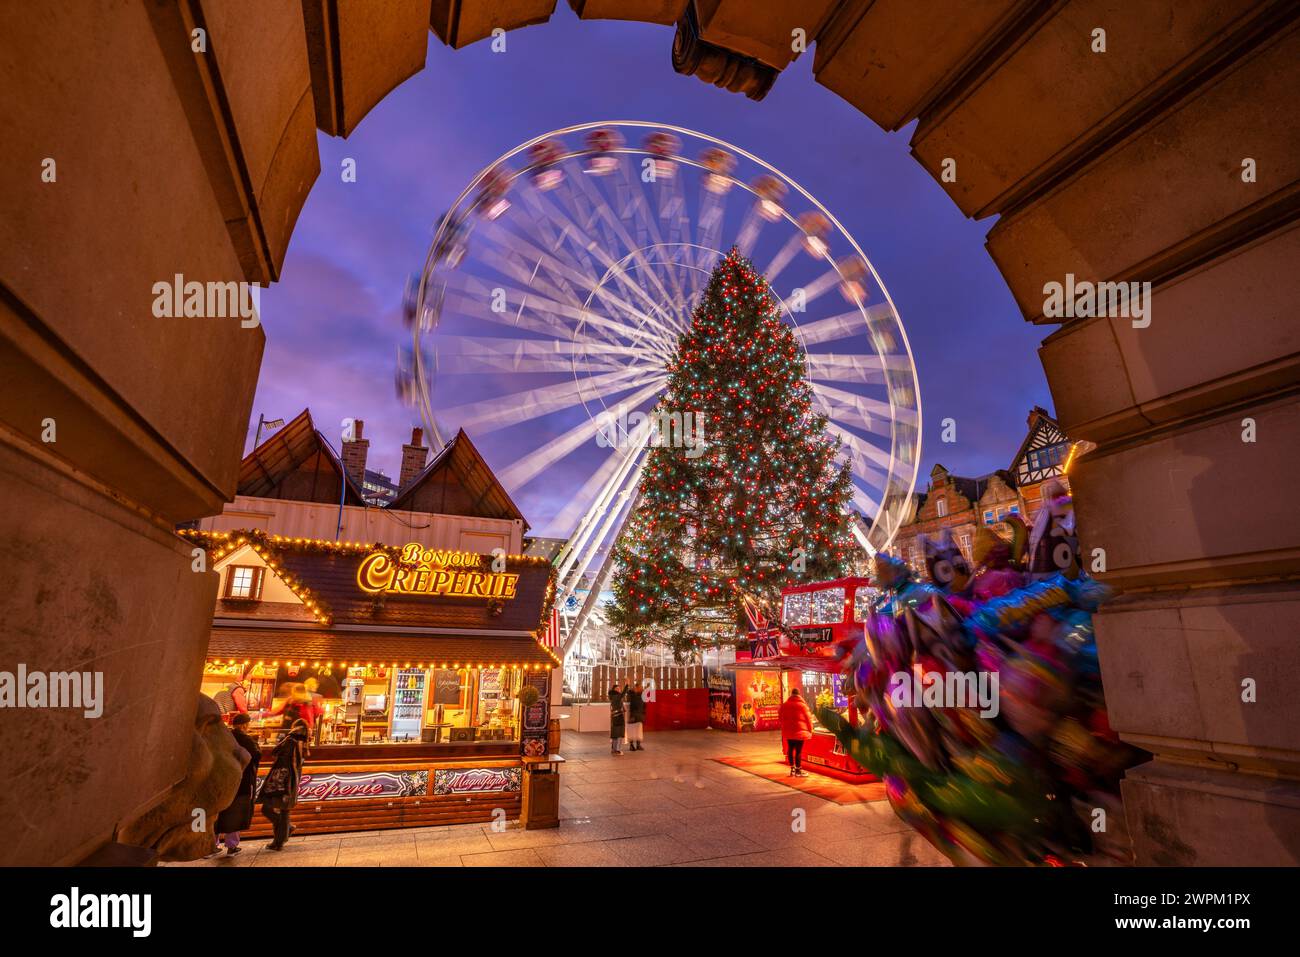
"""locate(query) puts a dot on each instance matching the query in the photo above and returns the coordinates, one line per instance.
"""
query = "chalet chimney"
(414, 458)
(355, 452)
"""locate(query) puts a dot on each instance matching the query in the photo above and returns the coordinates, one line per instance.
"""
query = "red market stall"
(817, 620)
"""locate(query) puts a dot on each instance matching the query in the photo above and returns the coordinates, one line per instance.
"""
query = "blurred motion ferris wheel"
(557, 285)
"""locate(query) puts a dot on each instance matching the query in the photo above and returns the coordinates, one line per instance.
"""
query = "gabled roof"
(1039, 421)
(462, 460)
(284, 452)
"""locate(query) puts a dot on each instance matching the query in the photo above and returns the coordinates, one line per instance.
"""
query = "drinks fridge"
(408, 705)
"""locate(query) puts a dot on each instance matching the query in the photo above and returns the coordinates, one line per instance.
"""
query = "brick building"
(963, 505)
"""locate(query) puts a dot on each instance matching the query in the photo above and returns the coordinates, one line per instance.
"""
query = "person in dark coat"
(239, 815)
(635, 716)
(280, 790)
(616, 721)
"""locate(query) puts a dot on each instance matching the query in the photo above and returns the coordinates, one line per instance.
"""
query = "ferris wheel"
(557, 285)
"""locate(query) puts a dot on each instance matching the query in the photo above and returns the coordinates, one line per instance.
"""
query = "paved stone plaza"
(668, 805)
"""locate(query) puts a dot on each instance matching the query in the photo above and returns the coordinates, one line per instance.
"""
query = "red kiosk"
(817, 620)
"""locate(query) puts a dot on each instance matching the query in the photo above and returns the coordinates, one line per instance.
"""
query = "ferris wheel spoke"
(858, 405)
(603, 293)
(641, 205)
(782, 258)
(834, 367)
(866, 473)
(612, 330)
(526, 469)
(635, 246)
(749, 230)
(823, 284)
(492, 414)
(510, 356)
(841, 326)
(566, 348)
(870, 454)
(546, 247)
(633, 204)
(865, 503)
(673, 315)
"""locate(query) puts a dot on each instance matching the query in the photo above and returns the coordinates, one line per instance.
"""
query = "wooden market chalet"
(417, 632)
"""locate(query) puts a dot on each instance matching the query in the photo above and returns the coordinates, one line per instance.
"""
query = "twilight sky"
(333, 321)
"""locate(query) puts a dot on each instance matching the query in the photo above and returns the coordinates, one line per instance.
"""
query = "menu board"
(446, 687)
(537, 717)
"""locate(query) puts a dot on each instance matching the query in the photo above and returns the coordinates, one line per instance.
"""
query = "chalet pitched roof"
(327, 573)
(285, 451)
(333, 579)
(462, 460)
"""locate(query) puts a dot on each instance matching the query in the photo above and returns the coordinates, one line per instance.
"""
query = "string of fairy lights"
(267, 547)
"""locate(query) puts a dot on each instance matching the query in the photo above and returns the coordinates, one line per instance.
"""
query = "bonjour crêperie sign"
(434, 572)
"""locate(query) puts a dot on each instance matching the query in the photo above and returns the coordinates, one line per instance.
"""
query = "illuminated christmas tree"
(763, 502)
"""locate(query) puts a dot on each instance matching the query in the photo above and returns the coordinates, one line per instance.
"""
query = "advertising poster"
(722, 698)
(758, 700)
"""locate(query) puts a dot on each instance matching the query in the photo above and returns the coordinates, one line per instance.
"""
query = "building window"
(988, 517)
(1049, 457)
(941, 507)
(964, 545)
(1014, 510)
(244, 581)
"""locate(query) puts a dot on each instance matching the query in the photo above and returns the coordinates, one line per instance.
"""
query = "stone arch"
(1122, 166)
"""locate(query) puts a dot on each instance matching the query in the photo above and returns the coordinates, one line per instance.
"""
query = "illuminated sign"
(433, 571)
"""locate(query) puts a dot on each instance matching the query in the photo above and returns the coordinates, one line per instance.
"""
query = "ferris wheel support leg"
(604, 534)
(598, 583)
(569, 554)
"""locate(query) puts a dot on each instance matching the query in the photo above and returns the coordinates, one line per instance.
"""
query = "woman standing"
(280, 791)
(796, 728)
(635, 716)
(616, 721)
(239, 815)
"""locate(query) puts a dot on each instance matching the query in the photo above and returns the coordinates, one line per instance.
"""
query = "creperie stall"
(818, 621)
(424, 674)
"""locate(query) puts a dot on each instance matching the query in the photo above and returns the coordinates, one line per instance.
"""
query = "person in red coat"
(796, 728)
